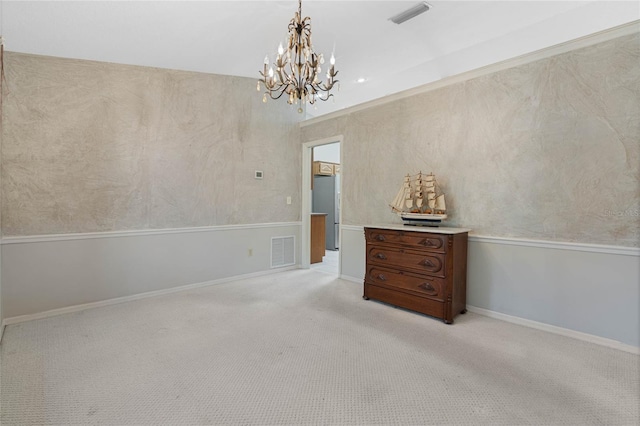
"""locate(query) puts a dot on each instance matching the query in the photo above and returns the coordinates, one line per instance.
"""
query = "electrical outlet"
(288, 200)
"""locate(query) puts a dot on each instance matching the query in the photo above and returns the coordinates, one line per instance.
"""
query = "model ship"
(420, 201)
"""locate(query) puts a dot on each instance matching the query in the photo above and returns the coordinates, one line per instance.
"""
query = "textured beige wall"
(92, 146)
(547, 150)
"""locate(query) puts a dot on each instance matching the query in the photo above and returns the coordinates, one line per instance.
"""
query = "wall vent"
(283, 251)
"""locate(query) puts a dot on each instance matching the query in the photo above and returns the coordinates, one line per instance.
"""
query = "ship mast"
(408, 192)
(419, 195)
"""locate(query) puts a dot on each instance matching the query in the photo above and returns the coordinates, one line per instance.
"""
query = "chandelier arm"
(272, 86)
(278, 86)
(282, 92)
(327, 98)
(280, 74)
(327, 87)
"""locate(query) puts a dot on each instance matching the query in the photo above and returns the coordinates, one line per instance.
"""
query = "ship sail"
(408, 192)
(440, 204)
(404, 192)
(396, 204)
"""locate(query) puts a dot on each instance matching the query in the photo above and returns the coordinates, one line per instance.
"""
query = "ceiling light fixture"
(410, 13)
(297, 68)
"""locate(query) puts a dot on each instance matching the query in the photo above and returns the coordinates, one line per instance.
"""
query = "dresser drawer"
(425, 262)
(421, 240)
(405, 300)
(432, 287)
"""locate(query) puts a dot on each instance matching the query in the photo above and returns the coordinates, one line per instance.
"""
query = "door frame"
(305, 235)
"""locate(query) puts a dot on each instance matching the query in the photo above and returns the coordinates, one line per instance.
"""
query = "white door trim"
(305, 235)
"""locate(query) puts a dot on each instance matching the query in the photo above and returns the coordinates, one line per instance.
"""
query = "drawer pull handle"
(380, 237)
(427, 262)
(380, 256)
(427, 242)
(382, 277)
(427, 287)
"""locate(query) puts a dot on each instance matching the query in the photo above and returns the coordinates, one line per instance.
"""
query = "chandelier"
(296, 69)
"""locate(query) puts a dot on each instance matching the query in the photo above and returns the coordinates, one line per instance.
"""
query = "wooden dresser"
(418, 268)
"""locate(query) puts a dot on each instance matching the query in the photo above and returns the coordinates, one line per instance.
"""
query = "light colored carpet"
(329, 263)
(303, 347)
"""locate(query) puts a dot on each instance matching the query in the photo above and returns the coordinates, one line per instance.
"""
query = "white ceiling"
(232, 37)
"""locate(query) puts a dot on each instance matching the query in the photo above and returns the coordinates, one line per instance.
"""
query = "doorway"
(325, 207)
(321, 202)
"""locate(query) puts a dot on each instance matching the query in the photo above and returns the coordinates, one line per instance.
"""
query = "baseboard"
(614, 344)
(2, 326)
(117, 300)
(352, 279)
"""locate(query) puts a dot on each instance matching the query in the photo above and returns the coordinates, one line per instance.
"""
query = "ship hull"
(422, 219)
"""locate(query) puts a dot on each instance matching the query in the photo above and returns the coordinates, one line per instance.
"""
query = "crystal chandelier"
(296, 70)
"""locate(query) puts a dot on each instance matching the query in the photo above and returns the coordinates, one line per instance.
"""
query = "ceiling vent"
(410, 13)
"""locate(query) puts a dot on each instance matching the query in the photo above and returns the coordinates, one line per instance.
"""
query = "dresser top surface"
(428, 229)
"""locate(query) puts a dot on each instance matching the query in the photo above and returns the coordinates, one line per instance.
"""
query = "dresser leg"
(365, 297)
(448, 311)
(464, 311)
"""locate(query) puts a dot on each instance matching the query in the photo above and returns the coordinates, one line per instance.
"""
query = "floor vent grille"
(283, 251)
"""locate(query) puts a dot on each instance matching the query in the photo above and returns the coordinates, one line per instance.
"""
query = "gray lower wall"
(593, 292)
(41, 276)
